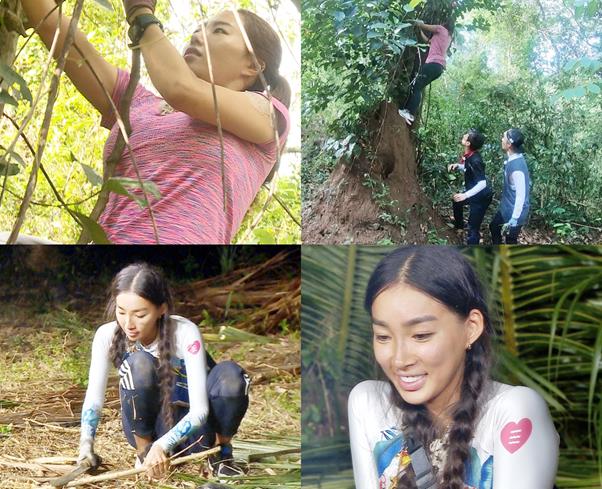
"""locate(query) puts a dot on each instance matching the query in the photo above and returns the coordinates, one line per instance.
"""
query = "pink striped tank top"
(181, 155)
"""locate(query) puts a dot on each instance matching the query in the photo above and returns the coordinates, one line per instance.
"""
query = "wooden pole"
(119, 474)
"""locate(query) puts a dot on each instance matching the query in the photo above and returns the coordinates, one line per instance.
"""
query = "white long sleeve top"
(515, 444)
(187, 346)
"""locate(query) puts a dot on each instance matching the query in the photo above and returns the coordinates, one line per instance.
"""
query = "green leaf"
(573, 93)
(5, 98)
(123, 185)
(13, 169)
(93, 177)
(134, 183)
(593, 88)
(339, 16)
(11, 155)
(11, 77)
(94, 230)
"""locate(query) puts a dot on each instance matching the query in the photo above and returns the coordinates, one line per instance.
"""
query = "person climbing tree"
(478, 193)
(175, 140)
(439, 42)
(514, 206)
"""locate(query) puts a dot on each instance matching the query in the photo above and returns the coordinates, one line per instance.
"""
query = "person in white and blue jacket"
(514, 205)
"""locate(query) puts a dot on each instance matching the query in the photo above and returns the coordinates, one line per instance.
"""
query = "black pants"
(477, 205)
(496, 231)
(227, 389)
(428, 73)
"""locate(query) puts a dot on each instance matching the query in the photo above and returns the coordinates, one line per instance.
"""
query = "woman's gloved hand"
(86, 453)
(156, 462)
(512, 223)
(131, 6)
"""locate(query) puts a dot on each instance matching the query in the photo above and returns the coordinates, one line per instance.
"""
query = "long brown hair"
(267, 48)
(149, 283)
(444, 274)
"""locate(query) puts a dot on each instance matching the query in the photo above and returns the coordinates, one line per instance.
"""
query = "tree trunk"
(9, 11)
(345, 210)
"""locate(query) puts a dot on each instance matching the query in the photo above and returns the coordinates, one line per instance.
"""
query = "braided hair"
(149, 283)
(444, 274)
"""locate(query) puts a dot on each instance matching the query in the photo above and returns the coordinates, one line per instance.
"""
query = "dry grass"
(40, 399)
(274, 412)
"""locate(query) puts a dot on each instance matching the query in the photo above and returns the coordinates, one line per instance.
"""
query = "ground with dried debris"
(44, 353)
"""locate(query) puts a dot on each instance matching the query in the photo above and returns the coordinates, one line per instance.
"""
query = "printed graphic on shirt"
(515, 435)
(391, 455)
(194, 347)
(392, 459)
(478, 476)
(181, 430)
(90, 418)
(247, 383)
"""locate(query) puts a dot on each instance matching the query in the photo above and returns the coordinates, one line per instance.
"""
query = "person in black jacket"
(478, 193)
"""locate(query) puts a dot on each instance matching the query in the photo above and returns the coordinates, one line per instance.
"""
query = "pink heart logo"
(515, 435)
(194, 347)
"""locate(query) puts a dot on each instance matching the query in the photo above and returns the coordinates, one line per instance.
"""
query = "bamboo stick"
(54, 460)
(119, 474)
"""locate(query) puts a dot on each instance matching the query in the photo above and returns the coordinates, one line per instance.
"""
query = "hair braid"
(149, 283)
(118, 347)
(476, 373)
(165, 372)
(119, 341)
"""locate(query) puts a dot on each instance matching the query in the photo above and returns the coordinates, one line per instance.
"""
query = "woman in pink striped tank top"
(175, 140)
(439, 42)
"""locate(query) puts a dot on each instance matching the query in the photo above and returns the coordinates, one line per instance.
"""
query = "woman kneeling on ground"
(174, 397)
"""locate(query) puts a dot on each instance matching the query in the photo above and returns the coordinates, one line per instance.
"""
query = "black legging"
(428, 73)
(478, 205)
(227, 391)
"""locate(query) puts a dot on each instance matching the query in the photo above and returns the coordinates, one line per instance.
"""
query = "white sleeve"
(97, 382)
(480, 185)
(525, 450)
(518, 179)
(364, 466)
(190, 347)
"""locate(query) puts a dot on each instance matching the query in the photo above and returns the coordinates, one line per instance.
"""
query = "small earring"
(469, 346)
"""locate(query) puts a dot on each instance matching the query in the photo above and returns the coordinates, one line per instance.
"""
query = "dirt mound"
(351, 207)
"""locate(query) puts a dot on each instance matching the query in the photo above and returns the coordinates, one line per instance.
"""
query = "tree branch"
(52, 96)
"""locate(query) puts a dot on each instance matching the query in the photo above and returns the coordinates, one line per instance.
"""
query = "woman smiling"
(440, 420)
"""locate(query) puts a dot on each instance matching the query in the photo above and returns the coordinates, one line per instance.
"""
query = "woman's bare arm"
(76, 67)
(247, 115)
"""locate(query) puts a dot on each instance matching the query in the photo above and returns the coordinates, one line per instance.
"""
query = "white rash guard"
(515, 444)
(187, 346)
